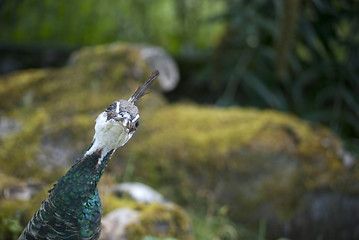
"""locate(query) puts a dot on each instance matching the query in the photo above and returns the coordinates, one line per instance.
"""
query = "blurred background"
(294, 56)
(298, 57)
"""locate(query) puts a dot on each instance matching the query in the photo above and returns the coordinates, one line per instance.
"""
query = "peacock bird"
(73, 208)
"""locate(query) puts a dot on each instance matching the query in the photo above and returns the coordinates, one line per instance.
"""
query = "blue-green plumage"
(73, 207)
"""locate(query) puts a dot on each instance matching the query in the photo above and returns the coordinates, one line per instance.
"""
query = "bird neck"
(83, 177)
(80, 182)
(92, 165)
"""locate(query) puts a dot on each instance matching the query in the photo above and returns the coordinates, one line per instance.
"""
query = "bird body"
(73, 208)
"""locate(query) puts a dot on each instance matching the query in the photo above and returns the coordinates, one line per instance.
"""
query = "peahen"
(73, 208)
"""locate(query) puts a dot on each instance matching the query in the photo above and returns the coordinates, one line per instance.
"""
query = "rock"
(139, 192)
(153, 57)
(145, 214)
(114, 224)
(21, 192)
(161, 220)
(158, 59)
(333, 214)
(158, 220)
(13, 189)
(8, 126)
(142, 215)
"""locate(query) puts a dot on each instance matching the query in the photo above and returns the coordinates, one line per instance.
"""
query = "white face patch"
(108, 136)
(124, 123)
(137, 117)
(118, 107)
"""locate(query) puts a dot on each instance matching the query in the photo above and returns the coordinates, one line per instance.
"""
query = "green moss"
(21, 147)
(112, 202)
(157, 220)
(246, 159)
(160, 221)
(19, 88)
(6, 181)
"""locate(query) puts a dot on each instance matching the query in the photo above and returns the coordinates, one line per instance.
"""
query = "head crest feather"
(140, 91)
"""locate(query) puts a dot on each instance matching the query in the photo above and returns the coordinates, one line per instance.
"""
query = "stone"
(21, 191)
(114, 224)
(142, 212)
(157, 58)
(163, 220)
(139, 192)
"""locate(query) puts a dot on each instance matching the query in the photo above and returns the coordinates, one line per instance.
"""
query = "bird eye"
(137, 123)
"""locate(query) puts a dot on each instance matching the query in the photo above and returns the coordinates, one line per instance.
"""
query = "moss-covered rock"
(257, 164)
(131, 220)
(161, 220)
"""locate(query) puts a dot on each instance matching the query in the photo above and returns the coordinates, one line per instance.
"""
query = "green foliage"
(10, 228)
(218, 227)
(175, 25)
(295, 56)
(222, 228)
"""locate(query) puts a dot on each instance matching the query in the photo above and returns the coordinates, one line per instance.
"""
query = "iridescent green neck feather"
(73, 208)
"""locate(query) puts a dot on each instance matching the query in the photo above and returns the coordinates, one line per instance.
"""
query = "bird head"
(116, 125)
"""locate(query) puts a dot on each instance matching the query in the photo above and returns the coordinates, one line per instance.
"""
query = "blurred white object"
(114, 224)
(139, 192)
(159, 59)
